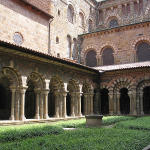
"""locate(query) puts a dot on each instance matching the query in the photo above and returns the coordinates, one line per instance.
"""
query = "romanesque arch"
(10, 82)
(143, 51)
(55, 97)
(107, 56)
(143, 93)
(124, 95)
(34, 96)
(90, 58)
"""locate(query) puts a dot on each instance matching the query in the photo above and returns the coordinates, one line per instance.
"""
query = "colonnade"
(41, 105)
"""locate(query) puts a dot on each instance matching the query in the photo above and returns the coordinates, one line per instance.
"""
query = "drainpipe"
(49, 35)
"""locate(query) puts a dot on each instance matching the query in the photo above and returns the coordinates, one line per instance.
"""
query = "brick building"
(68, 58)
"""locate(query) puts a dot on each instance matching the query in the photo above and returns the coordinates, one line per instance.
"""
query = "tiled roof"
(123, 66)
(13, 46)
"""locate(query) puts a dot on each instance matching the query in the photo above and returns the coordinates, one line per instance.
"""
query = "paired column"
(56, 94)
(141, 102)
(118, 103)
(13, 91)
(37, 109)
(111, 105)
(91, 103)
(132, 96)
(64, 94)
(22, 103)
(72, 104)
(45, 104)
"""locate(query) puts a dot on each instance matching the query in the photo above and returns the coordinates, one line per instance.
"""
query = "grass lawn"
(53, 137)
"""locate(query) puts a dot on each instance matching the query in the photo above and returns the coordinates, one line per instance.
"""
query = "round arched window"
(108, 58)
(143, 51)
(113, 23)
(91, 59)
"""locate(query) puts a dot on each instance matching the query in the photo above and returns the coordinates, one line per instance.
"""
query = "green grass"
(81, 123)
(17, 133)
(142, 123)
(53, 137)
(86, 139)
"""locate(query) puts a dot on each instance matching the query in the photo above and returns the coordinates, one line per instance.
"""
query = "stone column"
(118, 103)
(76, 104)
(22, 104)
(45, 103)
(79, 104)
(13, 91)
(141, 102)
(60, 105)
(91, 103)
(120, 10)
(64, 94)
(111, 105)
(72, 104)
(134, 98)
(56, 104)
(132, 103)
(17, 105)
(85, 104)
(37, 110)
(41, 101)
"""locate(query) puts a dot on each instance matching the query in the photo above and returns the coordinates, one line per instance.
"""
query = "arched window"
(91, 58)
(81, 17)
(108, 58)
(69, 46)
(90, 25)
(70, 13)
(113, 23)
(74, 53)
(143, 51)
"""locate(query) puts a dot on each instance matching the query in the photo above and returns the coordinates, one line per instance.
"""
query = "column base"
(37, 117)
(79, 115)
(111, 113)
(12, 118)
(142, 113)
(22, 118)
(56, 116)
(118, 113)
(72, 115)
(46, 117)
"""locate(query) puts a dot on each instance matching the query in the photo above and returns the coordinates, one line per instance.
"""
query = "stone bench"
(94, 120)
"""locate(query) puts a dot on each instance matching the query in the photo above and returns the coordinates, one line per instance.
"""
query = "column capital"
(23, 89)
(45, 92)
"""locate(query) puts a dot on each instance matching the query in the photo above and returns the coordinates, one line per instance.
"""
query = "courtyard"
(117, 133)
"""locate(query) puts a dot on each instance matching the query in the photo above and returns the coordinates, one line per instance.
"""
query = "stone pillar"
(45, 104)
(41, 109)
(13, 91)
(17, 105)
(132, 96)
(120, 10)
(85, 104)
(22, 104)
(76, 104)
(72, 104)
(64, 104)
(60, 105)
(91, 103)
(79, 104)
(37, 110)
(134, 99)
(111, 103)
(56, 104)
(118, 103)
(141, 102)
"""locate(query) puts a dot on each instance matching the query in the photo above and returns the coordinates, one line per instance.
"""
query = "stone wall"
(32, 25)
(122, 40)
(61, 27)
